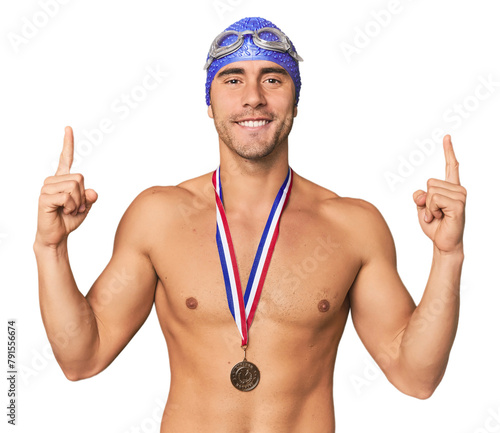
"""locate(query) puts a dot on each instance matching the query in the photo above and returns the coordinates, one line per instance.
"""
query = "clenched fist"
(64, 202)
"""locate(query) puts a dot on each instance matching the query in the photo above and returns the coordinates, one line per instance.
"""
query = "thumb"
(90, 196)
(419, 197)
(90, 199)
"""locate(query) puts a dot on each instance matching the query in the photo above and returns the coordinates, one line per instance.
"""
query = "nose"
(253, 94)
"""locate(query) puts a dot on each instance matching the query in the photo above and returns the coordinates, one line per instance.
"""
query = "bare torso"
(299, 321)
(333, 255)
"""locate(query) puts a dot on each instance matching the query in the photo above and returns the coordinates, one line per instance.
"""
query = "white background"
(359, 116)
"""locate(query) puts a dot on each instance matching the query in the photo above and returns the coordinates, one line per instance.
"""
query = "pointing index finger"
(451, 161)
(66, 158)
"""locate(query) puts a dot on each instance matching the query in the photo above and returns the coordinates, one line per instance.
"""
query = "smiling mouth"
(253, 123)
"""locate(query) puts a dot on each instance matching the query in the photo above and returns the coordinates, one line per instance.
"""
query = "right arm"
(87, 332)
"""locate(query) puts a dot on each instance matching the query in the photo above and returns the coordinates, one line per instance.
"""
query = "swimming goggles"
(282, 45)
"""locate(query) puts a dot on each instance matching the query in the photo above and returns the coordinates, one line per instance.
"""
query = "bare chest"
(309, 276)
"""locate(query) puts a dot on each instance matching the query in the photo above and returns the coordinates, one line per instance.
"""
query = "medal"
(245, 376)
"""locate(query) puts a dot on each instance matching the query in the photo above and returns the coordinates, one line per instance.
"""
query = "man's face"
(252, 104)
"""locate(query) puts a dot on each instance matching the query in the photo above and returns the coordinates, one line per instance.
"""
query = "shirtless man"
(173, 262)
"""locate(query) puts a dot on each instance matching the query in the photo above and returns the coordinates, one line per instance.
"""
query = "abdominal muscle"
(204, 400)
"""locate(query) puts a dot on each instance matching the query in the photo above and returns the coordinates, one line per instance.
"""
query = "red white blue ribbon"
(243, 308)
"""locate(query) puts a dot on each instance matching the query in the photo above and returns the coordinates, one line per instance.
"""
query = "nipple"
(191, 303)
(323, 306)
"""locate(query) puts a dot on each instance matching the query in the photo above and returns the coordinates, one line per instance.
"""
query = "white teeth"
(253, 124)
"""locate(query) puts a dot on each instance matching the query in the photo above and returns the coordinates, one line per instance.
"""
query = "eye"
(233, 81)
(273, 81)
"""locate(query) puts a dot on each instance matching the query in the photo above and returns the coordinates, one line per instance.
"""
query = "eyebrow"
(241, 71)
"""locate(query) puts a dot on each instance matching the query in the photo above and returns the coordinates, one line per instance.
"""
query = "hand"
(64, 202)
(441, 210)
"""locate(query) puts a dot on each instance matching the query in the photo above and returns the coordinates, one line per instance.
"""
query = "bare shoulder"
(334, 206)
(160, 208)
(359, 219)
(161, 198)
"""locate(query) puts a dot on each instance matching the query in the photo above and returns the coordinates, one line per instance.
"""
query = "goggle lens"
(230, 41)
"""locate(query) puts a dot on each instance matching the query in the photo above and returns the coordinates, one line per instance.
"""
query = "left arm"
(412, 344)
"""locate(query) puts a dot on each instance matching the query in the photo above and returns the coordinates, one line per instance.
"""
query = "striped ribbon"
(243, 308)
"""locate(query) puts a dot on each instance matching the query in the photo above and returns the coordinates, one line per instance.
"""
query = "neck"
(250, 186)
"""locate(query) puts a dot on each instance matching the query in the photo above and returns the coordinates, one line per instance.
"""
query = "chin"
(253, 156)
(253, 152)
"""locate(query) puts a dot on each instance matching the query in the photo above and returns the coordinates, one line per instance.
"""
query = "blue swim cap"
(250, 51)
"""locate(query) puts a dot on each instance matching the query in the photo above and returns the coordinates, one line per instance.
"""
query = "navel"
(323, 306)
(191, 303)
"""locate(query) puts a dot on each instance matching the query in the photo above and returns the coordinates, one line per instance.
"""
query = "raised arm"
(412, 344)
(87, 333)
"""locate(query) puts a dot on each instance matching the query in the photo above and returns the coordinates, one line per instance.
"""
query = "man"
(196, 260)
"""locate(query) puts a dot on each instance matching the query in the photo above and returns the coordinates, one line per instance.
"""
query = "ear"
(295, 111)
(210, 112)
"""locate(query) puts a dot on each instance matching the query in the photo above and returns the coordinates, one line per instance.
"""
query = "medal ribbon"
(243, 308)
